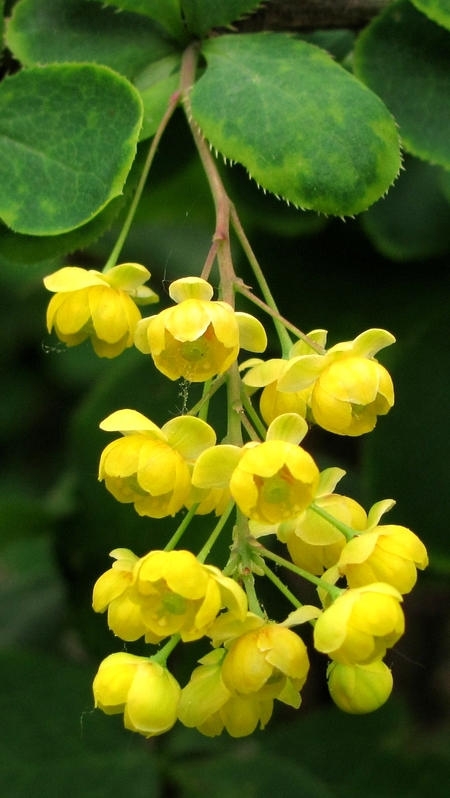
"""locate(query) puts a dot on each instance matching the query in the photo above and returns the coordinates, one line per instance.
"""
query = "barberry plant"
(285, 110)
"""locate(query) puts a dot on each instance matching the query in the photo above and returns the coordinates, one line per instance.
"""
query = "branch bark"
(296, 15)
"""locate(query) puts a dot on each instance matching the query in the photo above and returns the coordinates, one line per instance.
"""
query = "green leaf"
(156, 84)
(303, 127)
(32, 595)
(202, 15)
(166, 12)
(248, 773)
(68, 138)
(437, 10)
(61, 31)
(34, 249)
(22, 518)
(405, 58)
(413, 221)
(55, 740)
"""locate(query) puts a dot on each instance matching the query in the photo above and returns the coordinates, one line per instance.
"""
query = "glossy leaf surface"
(59, 31)
(303, 127)
(68, 136)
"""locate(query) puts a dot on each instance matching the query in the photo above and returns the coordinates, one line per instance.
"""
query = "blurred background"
(387, 268)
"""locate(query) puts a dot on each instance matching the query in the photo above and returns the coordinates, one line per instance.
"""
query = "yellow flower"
(164, 593)
(361, 624)
(349, 388)
(267, 660)
(114, 590)
(208, 500)
(207, 704)
(359, 689)
(150, 466)
(235, 688)
(179, 595)
(350, 394)
(271, 481)
(274, 481)
(273, 403)
(143, 690)
(313, 542)
(99, 306)
(267, 375)
(197, 339)
(388, 553)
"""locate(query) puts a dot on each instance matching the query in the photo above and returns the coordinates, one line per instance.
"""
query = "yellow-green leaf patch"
(68, 136)
(304, 128)
(61, 31)
(437, 10)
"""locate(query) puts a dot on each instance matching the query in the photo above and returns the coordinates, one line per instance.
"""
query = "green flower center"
(133, 485)
(173, 603)
(193, 351)
(358, 410)
(276, 490)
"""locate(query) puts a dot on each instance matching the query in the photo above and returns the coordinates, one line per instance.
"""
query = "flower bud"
(143, 690)
(359, 689)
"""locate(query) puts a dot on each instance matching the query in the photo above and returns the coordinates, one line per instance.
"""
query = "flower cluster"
(361, 567)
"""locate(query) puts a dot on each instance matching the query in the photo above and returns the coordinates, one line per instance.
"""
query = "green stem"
(347, 531)
(161, 656)
(221, 237)
(203, 412)
(203, 553)
(279, 584)
(182, 528)
(250, 410)
(242, 289)
(210, 260)
(112, 260)
(235, 410)
(284, 337)
(253, 435)
(253, 603)
(218, 382)
(334, 592)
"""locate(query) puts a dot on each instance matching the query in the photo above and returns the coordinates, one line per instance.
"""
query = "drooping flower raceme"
(99, 306)
(165, 593)
(361, 624)
(145, 691)
(150, 466)
(198, 338)
(271, 481)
